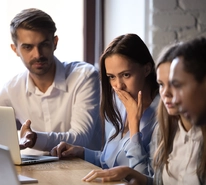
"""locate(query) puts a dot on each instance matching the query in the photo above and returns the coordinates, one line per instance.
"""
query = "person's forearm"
(80, 152)
(92, 156)
(138, 157)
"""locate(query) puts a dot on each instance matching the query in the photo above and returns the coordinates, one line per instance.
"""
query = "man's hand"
(27, 136)
(65, 150)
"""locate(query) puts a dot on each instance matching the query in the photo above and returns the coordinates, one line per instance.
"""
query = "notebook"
(9, 138)
(8, 174)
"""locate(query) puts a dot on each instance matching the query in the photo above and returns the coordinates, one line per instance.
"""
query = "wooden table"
(62, 172)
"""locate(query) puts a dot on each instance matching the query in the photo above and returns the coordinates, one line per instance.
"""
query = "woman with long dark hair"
(129, 100)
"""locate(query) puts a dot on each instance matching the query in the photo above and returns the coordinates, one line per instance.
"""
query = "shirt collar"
(59, 79)
(60, 76)
(195, 133)
(151, 110)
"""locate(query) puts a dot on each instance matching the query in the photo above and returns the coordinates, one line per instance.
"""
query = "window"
(68, 16)
(122, 17)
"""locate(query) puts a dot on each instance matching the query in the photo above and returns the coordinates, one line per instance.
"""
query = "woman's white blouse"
(184, 158)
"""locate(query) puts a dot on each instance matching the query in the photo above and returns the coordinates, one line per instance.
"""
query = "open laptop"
(8, 174)
(9, 138)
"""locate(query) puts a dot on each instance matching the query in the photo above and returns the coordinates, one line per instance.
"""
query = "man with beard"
(54, 101)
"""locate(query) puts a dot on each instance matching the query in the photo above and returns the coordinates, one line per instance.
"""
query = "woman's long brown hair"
(134, 49)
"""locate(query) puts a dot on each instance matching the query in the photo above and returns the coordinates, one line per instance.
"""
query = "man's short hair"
(32, 19)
